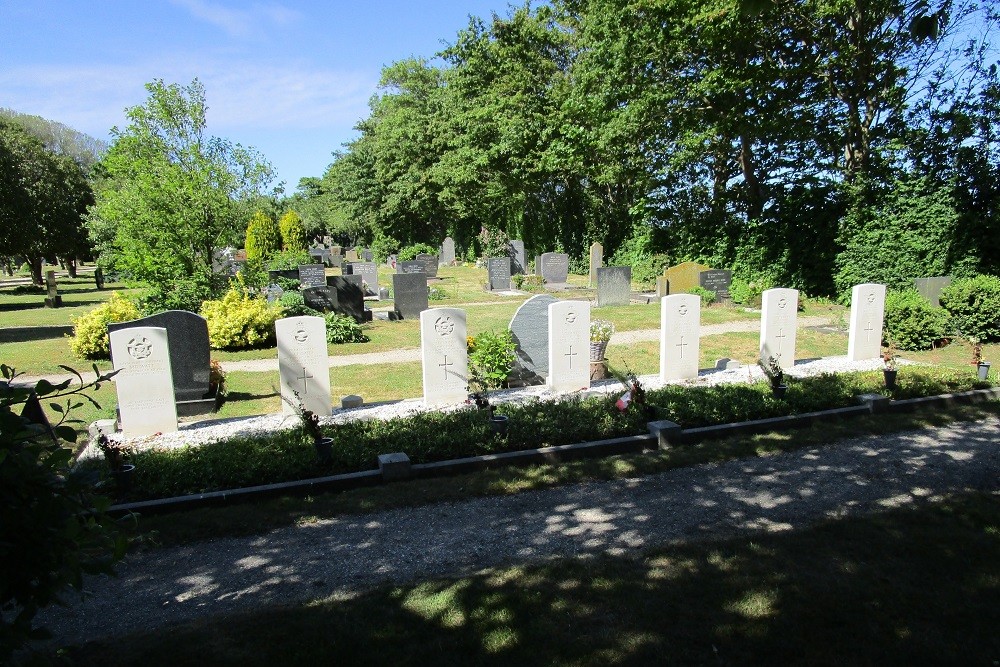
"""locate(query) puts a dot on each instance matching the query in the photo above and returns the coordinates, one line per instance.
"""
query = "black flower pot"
(778, 391)
(124, 478)
(324, 450)
(983, 368)
(498, 424)
(890, 378)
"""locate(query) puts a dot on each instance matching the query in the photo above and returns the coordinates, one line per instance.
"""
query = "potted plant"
(310, 424)
(772, 370)
(600, 333)
(982, 367)
(889, 357)
(116, 454)
(491, 358)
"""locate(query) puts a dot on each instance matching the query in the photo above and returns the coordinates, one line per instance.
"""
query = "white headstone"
(445, 356)
(680, 328)
(303, 363)
(867, 310)
(569, 346)
(780, 307)
(145, 382)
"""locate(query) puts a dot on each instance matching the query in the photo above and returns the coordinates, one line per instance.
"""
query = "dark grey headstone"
(367, 254)
(409, 294)
(187, 343)
(530, 329)
(349, 296)
(448, 251)
(716, 281)
(555, 267)
(498, 273)
(312, 275)
(430, 263)
(518, 260)
(930, 288)
(614, 284)
(411, 267)
(99, 278)
(369, 274)
(336, 259)
(323, 298)
(321, 255)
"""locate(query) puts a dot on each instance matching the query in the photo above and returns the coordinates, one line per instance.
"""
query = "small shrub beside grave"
(239, 321)
(343, 329)
(90, 331)
(974, 306)
(912, 323)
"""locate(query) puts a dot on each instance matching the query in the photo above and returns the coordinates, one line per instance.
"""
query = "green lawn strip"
(908, 586)
(79, 296)
(257, 517)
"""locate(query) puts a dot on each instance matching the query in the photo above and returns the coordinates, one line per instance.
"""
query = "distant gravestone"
(614, 285)
(448, 251)
(569, 346)
(444, 356)
(409, 295)
(53, 300)
(322, 255)
(430, 263)
(141, 355)
(864, 339)
(498, 273)
(538, 265)
(352, 256)
(411, 267)
(596, 261)
(778, 317)
(518, 260)
(336, 259)
(530, 331)
(303, 363)
(369, 275)
(367, 254)
(555, 267)
(680, 321)
(311, 275)
(684, 277)
(662, 287)
(274, 292)
(930, 288)
(716, 281)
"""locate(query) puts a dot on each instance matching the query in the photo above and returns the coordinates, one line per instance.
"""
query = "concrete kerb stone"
(394, 467)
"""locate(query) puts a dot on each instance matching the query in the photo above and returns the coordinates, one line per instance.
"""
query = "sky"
(289, 78)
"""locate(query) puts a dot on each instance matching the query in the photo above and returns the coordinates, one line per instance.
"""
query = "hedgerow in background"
(748, 292)
(343, 329)
(974, 305)
(293, 235)
(493, 243)
(637, 252)
(263, 237)
(410, 252)
(912, 323)
(180, 294)
(90, 331)
(239, 320)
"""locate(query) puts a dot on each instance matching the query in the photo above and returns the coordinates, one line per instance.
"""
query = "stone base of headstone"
(201, 406)
(876, 402)
(53, 301)
(352, 401)
(599, 370)
(101, 426)
(394, 466)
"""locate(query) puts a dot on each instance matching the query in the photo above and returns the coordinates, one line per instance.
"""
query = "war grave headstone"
(444, 356)
(430, 263)
(369, 275)
(683, 277)
(411, 267)
(596, 262)
(288, 274)
(716, 281)
(530, 331)
(614, 285)
(409, 295)
(930, 288)
(569, 346)
(367, 254)
(864, 340)
(518, 260)
(555, 267)
(190, 357)
(448, 251)
(498, 273)
(53, 300)
(680, 322)
(352, 256)
(311, 275)
(778, 317)
(144, 384)
(303, 363)
(274, 292)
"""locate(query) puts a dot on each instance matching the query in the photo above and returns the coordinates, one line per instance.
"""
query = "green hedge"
(912, 323)
(974, 306)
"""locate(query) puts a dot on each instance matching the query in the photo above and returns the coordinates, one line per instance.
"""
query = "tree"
(293, 236)
(263, 237)
(171, 194)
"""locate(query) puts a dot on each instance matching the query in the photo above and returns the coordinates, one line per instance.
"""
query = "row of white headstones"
(146, 393)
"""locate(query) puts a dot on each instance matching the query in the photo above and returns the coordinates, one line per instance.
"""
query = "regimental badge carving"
(683, 310)
(140, 348)
(782, 302)
(301, 335)
(871, 297)
(445, 326)
(570, 317)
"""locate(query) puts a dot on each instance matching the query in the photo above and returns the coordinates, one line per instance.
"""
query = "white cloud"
(240, 22)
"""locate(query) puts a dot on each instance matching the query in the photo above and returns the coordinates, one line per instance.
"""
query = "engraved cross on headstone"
(869, 329)
(445, 366)
(570, 354)
(682, 345)
(305, 376)
(780, 336)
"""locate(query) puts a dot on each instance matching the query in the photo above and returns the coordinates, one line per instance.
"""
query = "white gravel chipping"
(204, 432)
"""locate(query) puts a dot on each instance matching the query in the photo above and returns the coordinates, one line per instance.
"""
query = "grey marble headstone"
(311, 275)
(530, 329)
(518, 260)
(498, 273)
(555, 267)
(411, 267)
(320, 254)
(274, 292)
(190, 356)
(596, 261)
(430, 263)
(409, 294)
(448, 251)
(336, 259)
(930, 288)
(716, 281)
(367, 254)
(369, 274)
(614, 285)
(349, 298)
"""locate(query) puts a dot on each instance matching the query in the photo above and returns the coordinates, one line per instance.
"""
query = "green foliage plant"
(178, 294)
(494, 242)
(527, 282)
(287, 260)
(239, 320)
(974, 306)
(293, 234)
(343, 329)
(436, 294)
(263, 238)
(491, 359)
(748, 292)
(382, 246)
(410, 252)
(912, 323)
(90, 331)
(294, 304)
(707, 296)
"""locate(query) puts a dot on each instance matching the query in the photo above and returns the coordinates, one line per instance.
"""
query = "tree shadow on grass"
(28, 334)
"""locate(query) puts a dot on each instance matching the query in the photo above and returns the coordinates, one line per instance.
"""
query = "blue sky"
(289, 78)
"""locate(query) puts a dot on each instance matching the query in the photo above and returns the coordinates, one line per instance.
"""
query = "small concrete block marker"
(352, 401)
(394, 467)
(667, 433)
(875, 402)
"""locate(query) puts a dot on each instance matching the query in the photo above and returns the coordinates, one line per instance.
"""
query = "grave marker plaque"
(498, 273)
(555, 267)
(430, 264)
(311, 275)
(614, 285)
(303, 363)
(569, 346)
(778, 321)
(444, 356)
(680, 319)
(411, 267)
(144, 383)
(864, 340)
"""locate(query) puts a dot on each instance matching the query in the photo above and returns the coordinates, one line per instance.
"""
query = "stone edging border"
(662, 434)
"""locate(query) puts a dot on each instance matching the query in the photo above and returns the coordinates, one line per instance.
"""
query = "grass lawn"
(909, 586)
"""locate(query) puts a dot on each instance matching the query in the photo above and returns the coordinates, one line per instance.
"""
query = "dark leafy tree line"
(812, 143)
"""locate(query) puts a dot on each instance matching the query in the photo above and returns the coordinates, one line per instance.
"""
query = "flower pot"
(983, 367)
(124, 477)
(598, 370)
(597, 350)
(779, 390)
(498, 424)
(324, 449)
(890, 378)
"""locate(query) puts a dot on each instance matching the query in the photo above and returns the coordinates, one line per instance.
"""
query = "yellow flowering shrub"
(90, 331)
(239, 321)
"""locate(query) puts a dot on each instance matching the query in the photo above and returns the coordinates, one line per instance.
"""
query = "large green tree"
(171, 195)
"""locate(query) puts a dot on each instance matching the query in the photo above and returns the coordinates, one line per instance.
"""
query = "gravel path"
(163, 587)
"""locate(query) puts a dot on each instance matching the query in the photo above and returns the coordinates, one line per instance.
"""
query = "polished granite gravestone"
(409, 295)
(430, 263)
(411, 267)
(498, 273)
(369, 275)
(555, 267)
(312, 275)
(518, 258)
(683, 277)
(530, 331)
(716, 281)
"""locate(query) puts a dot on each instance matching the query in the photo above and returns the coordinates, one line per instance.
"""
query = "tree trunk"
(35, 264)
(71, 267)
(755, 198)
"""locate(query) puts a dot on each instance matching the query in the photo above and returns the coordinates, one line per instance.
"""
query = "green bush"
(239, 321)
(494, 242)
(527, 282)
(293, 235)
(90, 331)
(491, 358)
(179, 294)
(343, 329)
(294, 305)
(974, 305)
(912, 323)
(748, 292)
(382, 246)
(637, 252)
(263, 237)
(287, 260)
(410, 252)
(707, 296)
(436, 294)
